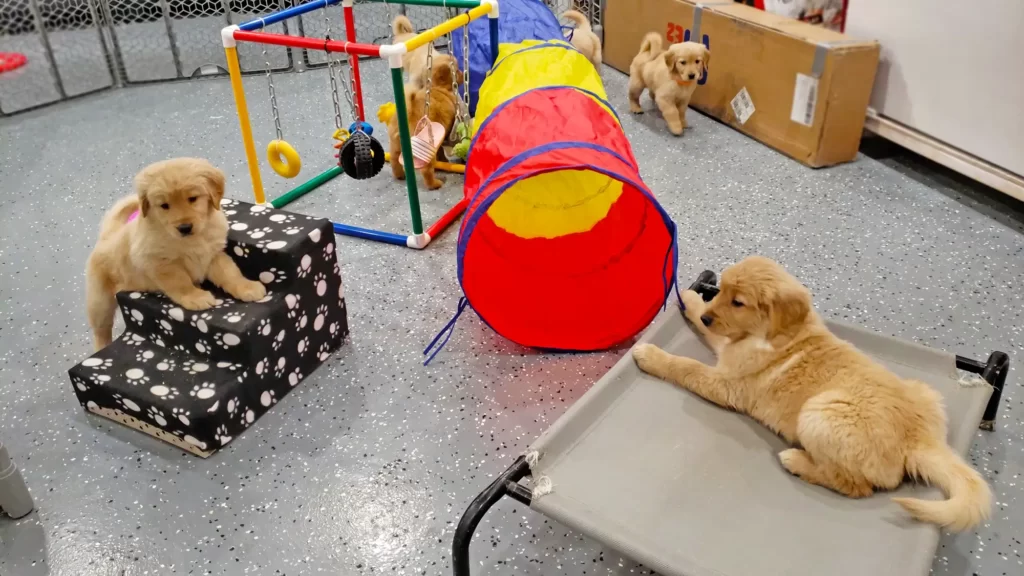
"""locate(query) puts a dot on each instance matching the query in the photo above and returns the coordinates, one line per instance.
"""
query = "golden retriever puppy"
(413, 63)
(583, 37)
(443, 105)
(857, 426)
(168, 238)
(670, 76)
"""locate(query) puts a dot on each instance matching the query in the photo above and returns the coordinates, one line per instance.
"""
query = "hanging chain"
(430, 73)
(349, 82)
(465, 73)
(454, 68)
(273, 96)
(330, 74)
(387, 9)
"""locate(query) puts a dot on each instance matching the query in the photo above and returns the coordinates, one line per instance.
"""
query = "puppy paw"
(794, 460)
(676, 130)
(199, 300)
(249, 291)
(646, 356)
(692, 302)
(635, 108)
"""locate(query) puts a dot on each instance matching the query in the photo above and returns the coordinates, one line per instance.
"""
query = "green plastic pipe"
(307, 187)
(398, 84)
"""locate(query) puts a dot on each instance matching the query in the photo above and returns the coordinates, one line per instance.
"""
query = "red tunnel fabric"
(586, 290)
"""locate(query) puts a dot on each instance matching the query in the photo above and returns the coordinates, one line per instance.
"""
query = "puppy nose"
(185, 229)
(692, 75)
(706, 320)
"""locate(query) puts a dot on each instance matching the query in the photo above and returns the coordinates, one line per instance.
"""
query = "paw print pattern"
(136, 376)
(99, 379)
(228, 366)
(203, 391)
(264, 327)
(246, 416)
(241, 377)
(273, 276)
(241, 251)
(167, 327)
(321, 317)
(268, 398)
(193, 367)
(324, 352)
(221, 303)
(144, 356)
(320, 283)
(279, 369)
(328, 250)
(226, 340)
(262, 367)
(126, 403)
(333, 329)
(180, 347)
(133, 339)
(234, 317)
(232, 406)
(257, 233)
(278, 340)
(203, 346)
(295, 377)
(222, 435)
(292, 230)
(201, 321)
(181, 414)
(156, 416)
(98, 363)
(300, 323)
(173, 312)
(228, 202)
(282, 218)
(303, 270)
(302, 345)
(293, 301)
(165, 392)
(79, 384)
(167, 365)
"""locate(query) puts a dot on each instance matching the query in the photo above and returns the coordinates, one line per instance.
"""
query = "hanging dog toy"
(462, 129)
(282, 157)
(429, 135)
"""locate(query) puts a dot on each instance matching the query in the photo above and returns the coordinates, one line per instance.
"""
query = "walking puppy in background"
(858, 426)
(670, 75)
(583, 37)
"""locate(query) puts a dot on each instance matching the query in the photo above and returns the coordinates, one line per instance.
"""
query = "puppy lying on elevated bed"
(858, 426)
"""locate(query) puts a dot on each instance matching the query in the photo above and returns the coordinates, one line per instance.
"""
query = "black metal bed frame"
(994, 371)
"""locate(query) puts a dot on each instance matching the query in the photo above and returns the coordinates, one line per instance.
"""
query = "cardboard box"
(798, 88)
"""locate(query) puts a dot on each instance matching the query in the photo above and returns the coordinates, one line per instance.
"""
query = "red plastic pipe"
(350, 48)
(350, 35)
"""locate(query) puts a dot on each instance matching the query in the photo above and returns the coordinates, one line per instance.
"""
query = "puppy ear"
(142, 191)
(707, 58)
(670, 60)
(214, 182)
(788, 306)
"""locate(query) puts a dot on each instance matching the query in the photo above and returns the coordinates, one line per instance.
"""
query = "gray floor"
(366, 467)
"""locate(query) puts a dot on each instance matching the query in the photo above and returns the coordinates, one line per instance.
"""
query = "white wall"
(951, 69)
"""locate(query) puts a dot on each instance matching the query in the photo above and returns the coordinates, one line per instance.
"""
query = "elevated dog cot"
(689, 489)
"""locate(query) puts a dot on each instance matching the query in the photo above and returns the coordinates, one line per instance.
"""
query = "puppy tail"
(578, 19)
(652, 43)
(117, 216)
(402, 25)
(970, 499)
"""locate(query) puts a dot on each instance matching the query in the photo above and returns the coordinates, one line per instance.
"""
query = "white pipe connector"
(227, 35)
(494, 8)
(390, 51)
(418, 241)
(347, 3)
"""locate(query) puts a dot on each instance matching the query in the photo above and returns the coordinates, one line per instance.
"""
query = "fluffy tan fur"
(413, 63)
(176, 242)
(670, 75)
(858, 426)
(583, 37)
(443, 104)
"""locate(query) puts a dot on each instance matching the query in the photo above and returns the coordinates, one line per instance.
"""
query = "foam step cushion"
(197, 379)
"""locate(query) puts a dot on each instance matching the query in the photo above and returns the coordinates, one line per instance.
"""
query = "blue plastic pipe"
(493, 22)
(286, 14)
(367, 234)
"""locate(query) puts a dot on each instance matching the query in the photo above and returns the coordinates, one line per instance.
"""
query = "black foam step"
(199, 378)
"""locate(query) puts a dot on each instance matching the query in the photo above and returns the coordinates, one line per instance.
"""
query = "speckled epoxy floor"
(367, 466)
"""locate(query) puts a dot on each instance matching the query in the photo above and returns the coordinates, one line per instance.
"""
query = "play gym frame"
(250, 32)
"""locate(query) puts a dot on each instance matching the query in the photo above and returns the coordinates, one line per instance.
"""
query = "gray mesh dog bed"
(689, 489)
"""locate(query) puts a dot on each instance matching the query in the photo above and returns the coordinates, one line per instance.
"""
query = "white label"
(742, 105)
(805, 99)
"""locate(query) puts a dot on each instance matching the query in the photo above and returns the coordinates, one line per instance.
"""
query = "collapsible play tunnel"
(563, 246)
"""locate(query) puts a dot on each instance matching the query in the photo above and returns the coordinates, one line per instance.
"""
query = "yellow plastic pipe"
(243, 122)
(423, 38)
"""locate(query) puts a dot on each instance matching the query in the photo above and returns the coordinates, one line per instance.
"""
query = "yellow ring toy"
(283, 158)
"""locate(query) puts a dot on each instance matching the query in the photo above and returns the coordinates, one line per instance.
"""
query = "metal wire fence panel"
(250, 56)
(67, 55)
